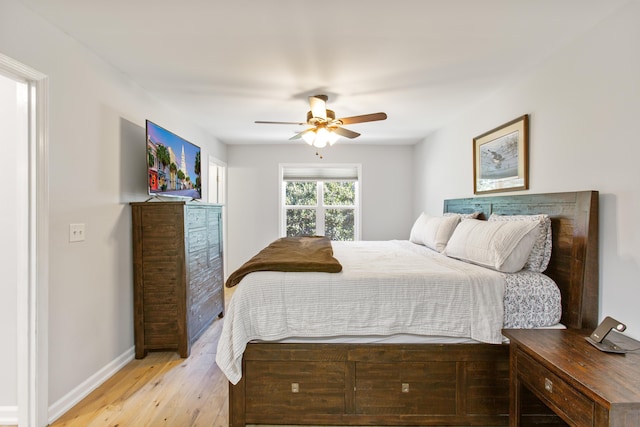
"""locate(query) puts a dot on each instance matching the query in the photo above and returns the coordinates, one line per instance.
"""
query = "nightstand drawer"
(570, 404)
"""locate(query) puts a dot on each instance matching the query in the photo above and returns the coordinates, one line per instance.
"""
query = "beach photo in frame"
(501, 158)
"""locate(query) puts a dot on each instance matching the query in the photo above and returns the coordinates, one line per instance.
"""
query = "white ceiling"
(229, 62)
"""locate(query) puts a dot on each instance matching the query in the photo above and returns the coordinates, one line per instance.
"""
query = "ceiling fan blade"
(363, 118)
(345, 132)
(318, 105)
(279, 123)
(300, 134)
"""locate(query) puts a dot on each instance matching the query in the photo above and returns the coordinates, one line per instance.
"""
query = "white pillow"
(433, 231)
(541, 252)
(500, 245)
(472, 215)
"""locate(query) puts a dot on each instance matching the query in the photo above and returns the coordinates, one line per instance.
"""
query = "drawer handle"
(548, 385)
(295, 388)
(405, 387)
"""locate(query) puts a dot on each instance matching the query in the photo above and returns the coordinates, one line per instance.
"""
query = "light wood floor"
(160, 390)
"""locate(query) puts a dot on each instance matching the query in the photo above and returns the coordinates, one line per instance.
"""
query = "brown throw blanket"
(312, 253)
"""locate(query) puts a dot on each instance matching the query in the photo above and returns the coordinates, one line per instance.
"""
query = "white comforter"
(385, 288)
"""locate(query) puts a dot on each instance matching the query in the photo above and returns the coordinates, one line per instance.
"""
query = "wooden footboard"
(371, 384)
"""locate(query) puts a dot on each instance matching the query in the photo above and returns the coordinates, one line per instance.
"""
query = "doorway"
(14, 234)
(217, 193)
(23, 135)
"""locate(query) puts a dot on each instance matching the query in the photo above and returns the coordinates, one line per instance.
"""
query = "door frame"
(215, 163)
(33, 299)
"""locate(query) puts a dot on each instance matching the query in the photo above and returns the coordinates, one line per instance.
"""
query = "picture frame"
(501, 158)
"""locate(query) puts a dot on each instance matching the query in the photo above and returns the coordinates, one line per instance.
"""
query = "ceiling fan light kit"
(326, 129)
(320, 137)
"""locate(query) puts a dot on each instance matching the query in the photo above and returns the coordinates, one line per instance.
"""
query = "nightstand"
(581, 384)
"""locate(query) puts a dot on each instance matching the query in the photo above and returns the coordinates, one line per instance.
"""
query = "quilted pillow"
(433, 231)
(541, 253)
(501, 245)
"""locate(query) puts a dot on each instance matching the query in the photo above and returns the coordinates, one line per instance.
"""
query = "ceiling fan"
(325, 128)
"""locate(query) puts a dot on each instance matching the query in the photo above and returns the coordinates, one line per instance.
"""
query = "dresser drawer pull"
(295, 388)
(405, 387)
(548, 385)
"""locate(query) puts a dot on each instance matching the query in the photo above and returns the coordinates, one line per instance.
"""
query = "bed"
(351, 383)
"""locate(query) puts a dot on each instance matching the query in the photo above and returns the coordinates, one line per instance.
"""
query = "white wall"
(584, 104)
(253, 210)
(97, 166)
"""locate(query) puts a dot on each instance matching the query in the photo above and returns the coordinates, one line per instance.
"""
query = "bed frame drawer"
(288, 387)
(406, 388)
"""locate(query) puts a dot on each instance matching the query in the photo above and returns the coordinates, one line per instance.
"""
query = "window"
(321, 201)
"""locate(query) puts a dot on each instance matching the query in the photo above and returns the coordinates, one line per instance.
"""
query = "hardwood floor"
(160, 390)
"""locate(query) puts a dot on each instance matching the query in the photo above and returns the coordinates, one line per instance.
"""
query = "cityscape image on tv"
(174, 164)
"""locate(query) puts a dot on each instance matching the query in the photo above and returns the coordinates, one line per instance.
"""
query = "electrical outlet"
(76, 232)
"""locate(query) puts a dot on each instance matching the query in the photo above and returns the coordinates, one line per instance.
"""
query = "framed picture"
(501, 158)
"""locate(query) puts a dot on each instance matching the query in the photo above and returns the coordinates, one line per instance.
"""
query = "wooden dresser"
(581, 384)
(178, 277)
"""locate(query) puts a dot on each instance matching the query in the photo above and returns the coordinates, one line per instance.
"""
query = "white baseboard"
(9, 415)
(80, 392)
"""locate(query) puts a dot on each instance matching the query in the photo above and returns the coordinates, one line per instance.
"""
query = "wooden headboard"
(574, 256)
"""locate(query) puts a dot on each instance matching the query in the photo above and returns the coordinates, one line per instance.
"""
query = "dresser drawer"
(198, 260)
(570, 404)
(196, 217)
(197, 239)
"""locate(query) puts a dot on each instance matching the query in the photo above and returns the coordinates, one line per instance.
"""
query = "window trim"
(282, 167)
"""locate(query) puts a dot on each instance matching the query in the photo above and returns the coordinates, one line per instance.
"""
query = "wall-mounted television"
(173, 164)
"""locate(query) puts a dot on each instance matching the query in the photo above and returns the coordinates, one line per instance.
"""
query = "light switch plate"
(76, 232)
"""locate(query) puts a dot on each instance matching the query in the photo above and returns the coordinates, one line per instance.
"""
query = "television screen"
(173, 164)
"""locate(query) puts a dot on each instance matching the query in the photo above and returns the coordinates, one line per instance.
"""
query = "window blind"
(310, 173)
